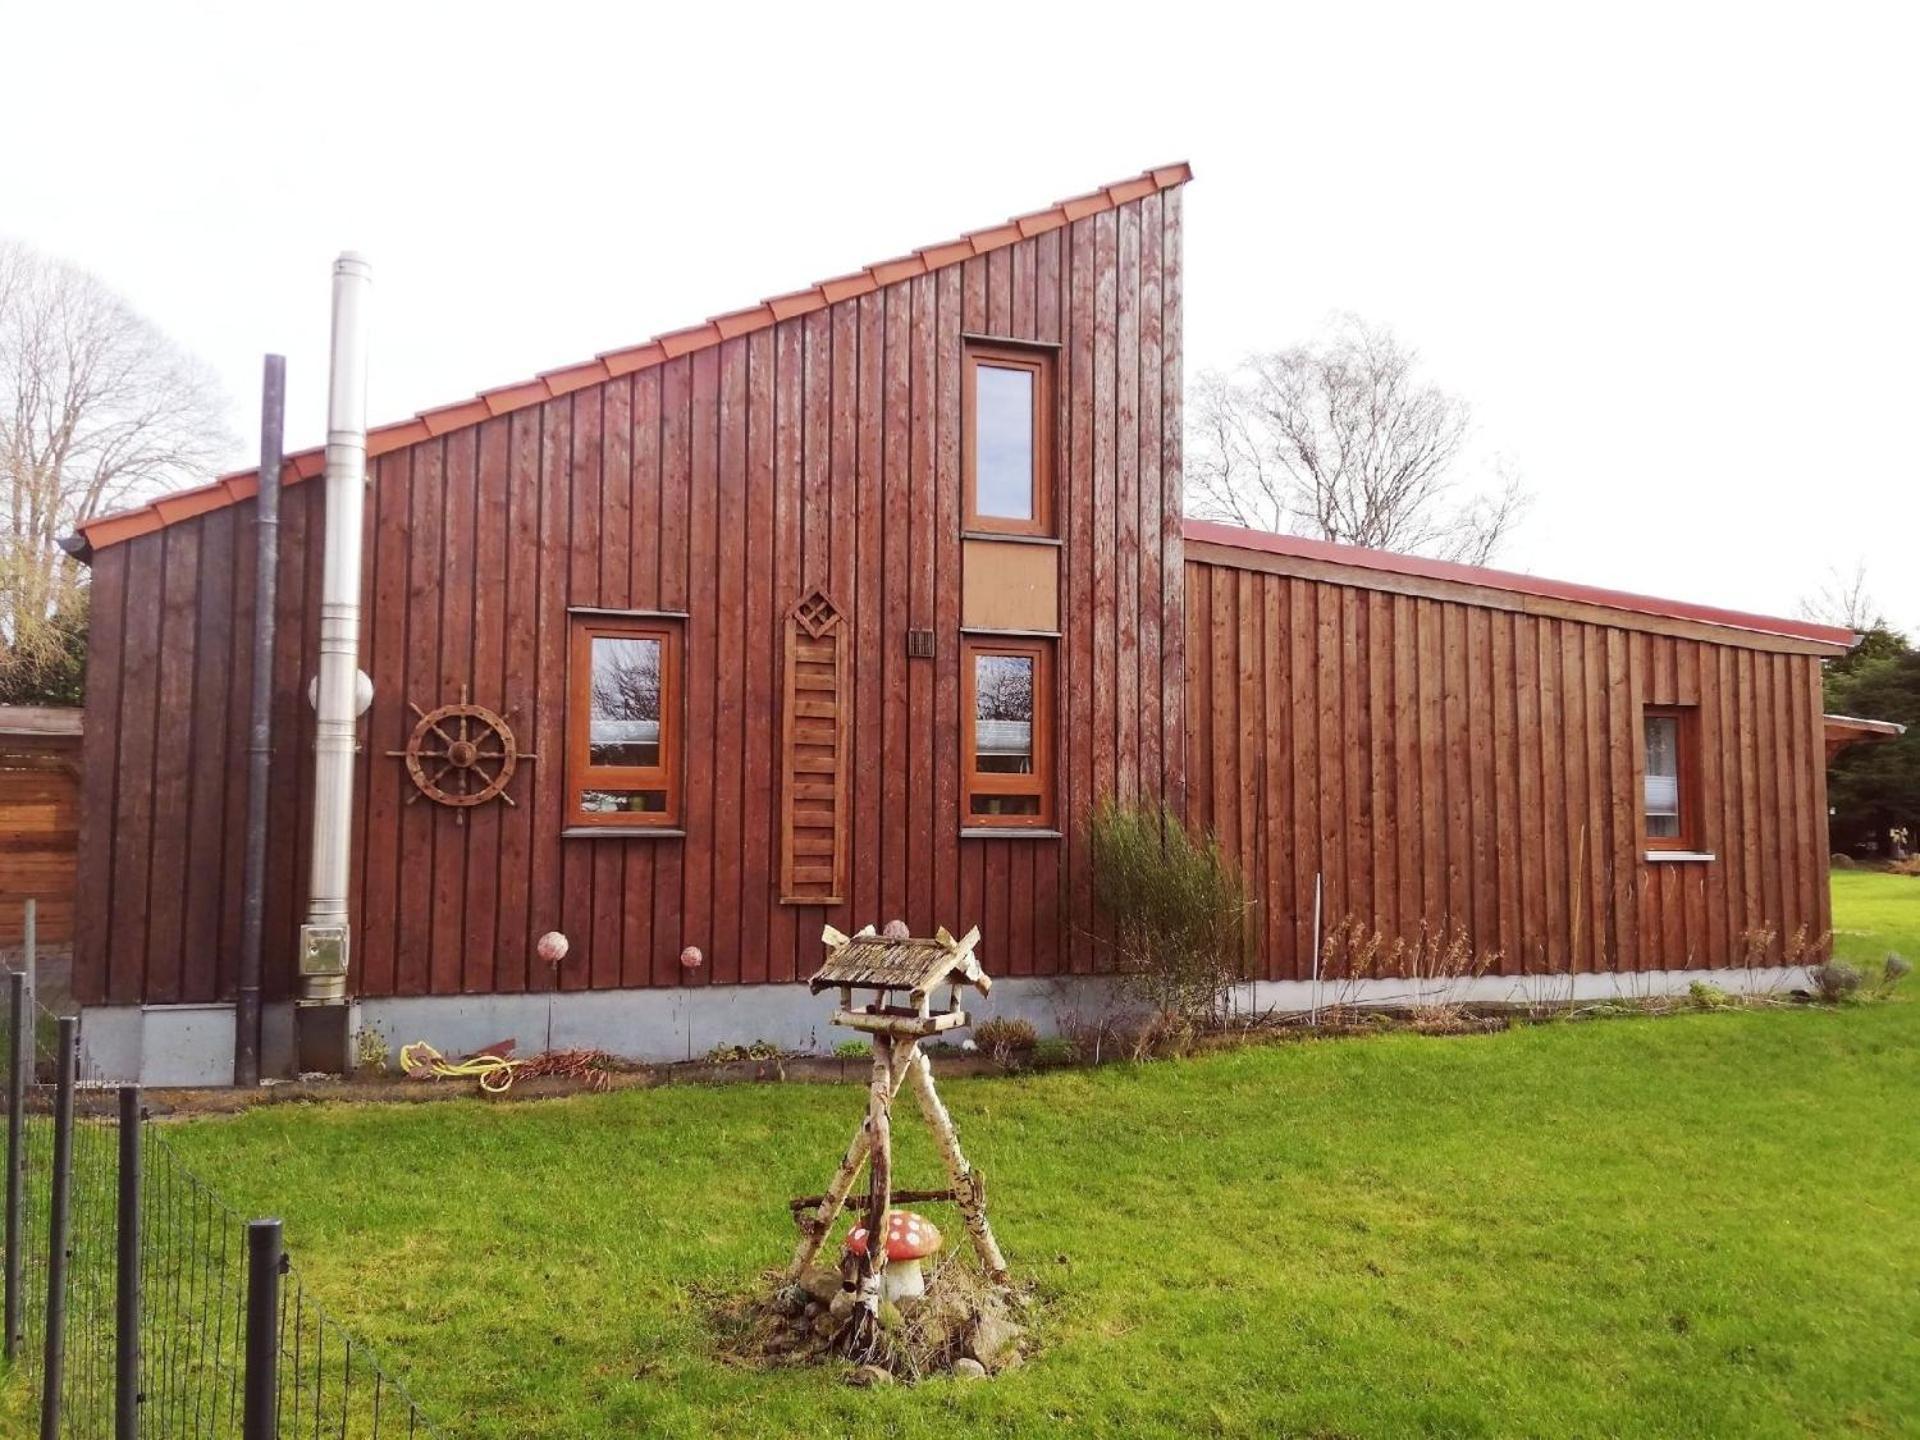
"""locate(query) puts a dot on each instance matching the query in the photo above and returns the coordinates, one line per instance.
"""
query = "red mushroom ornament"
(911, 1238)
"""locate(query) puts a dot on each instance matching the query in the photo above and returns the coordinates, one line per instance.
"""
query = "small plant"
(757, 1050)
(1708, 997)
(1895, 969)
(370, 1049)
(1176, 906)
(1055, 1050)
(1836, 981)
(1007, 1040)
(852, 1049)
(1166, 1035)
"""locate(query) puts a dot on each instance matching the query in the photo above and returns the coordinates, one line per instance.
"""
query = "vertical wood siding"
(823, 451)
(1450, 765)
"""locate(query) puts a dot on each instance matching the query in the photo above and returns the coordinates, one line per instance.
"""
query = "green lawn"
(1703, 1225)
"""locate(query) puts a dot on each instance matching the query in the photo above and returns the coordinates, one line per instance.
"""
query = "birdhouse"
(902, 973)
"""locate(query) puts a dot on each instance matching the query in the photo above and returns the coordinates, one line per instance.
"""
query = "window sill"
(1008, 832)
(1678, 857)
(1012, 537)
(622, 832)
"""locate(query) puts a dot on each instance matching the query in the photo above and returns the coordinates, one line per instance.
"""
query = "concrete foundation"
(192, 1045)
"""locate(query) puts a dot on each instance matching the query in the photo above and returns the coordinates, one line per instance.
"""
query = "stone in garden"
(968, 1368)
(993, 1340)
(841, 1305)
(790, 1301)
(821, 1283)
(824, 1326)
(870, 1375)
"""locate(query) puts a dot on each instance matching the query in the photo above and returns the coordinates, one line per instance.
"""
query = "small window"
(1008, 398)
(1668, 797)
(1009, 733)
(623, 723)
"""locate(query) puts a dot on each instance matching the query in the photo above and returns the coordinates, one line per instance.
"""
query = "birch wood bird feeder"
(902, 973)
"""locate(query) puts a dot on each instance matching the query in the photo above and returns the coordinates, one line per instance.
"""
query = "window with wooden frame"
(1670, 798)
(1007, 761)
(623, 722)
(1007, 421)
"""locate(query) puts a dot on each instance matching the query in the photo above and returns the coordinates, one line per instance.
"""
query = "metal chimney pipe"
(324, 938)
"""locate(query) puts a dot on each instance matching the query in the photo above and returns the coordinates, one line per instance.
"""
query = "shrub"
(1836, 980)
(1177, 908)
(1007, 1040)
(853, 1049)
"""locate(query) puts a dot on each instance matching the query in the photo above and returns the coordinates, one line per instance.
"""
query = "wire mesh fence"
(138, 1302)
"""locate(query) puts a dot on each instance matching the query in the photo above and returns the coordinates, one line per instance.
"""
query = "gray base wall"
(192, 1045)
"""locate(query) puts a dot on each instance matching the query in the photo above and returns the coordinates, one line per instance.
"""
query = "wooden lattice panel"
(813, 754)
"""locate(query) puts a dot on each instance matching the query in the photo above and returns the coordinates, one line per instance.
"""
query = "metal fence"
(138, 1303)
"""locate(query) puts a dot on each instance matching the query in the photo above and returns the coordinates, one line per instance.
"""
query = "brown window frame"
(975, 781)
(1686, 742)
(581, 775)
(1038, 360)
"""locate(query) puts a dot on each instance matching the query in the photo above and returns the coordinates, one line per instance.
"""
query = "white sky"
(1672, 254)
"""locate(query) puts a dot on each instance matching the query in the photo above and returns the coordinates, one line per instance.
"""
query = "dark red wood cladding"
(822, 451)
(1453, 764)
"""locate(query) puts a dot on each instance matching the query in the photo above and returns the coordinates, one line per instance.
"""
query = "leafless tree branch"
(97, 409)
(1342, 440)
(1844, 600)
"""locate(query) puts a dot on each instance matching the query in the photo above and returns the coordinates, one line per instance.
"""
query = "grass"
(1707, 1224)
(1874, 913)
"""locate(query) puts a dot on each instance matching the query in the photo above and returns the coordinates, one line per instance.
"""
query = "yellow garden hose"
(420, 1061)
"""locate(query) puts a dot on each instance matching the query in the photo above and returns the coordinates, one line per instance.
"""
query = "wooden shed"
(848, 606)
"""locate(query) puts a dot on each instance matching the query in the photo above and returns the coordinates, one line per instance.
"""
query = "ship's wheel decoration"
(461, 755)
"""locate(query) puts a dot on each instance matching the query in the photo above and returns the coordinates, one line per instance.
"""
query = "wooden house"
(848, 606)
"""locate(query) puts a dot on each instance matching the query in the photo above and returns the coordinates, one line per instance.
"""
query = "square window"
(622, 722)
(1668, 801)
(1007, 397)
(1008, 723)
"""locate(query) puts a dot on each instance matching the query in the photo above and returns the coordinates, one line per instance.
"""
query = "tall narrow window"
(1008, 423)
(1668, 799)
(623, 723)
(1009, 733)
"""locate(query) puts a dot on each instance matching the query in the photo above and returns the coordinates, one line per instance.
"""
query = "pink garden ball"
(691, 957)
(552, 947)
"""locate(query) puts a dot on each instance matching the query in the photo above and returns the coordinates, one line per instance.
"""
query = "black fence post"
(20, 1047)
(264, 1259)
(61, 1216)
(126, 1306)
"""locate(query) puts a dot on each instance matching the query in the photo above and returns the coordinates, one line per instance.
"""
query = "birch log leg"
(815, 1229)
(856, 1339)
(969, 1191)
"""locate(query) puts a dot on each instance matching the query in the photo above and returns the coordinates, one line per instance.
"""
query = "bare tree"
(97, 408)
(1844, 600)
(1342, 440)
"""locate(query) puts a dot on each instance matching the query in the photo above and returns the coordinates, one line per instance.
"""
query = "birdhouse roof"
(908, 963)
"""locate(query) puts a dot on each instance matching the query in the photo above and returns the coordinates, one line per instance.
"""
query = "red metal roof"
(241, 485)
(1261, 541)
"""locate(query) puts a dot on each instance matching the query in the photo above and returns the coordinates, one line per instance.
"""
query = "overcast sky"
(1671, 254)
